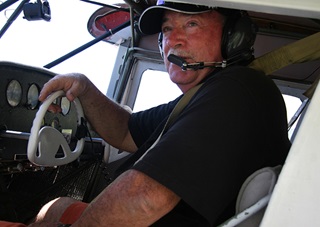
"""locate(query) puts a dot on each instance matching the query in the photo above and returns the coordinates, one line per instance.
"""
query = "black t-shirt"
(235, 124)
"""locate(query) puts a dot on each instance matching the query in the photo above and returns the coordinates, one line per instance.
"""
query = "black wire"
(6, 4)
(90, 137)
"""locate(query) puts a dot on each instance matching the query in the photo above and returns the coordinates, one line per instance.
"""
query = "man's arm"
(107, 118)
(133, 199)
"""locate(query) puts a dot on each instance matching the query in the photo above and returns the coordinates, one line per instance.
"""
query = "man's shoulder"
(239, 74)
(239, 79)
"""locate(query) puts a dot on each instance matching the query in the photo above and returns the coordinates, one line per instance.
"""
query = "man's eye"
(165, 29)
(192, 24)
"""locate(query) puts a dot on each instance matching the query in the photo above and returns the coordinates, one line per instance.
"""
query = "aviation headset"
(238, 36)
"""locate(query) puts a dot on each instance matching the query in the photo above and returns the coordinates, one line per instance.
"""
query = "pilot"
(233, 125)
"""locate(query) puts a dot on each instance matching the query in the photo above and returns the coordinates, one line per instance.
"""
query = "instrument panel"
(20, 86)
(24, 185)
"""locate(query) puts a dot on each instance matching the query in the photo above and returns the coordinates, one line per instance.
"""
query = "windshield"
(39, 43)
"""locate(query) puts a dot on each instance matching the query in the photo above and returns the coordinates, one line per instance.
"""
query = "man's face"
(195, 38)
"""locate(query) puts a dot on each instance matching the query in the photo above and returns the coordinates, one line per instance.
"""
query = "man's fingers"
(49, 87)
(53, 108)
(72, 84)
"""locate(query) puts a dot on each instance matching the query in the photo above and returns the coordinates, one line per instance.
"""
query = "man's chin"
(181, 77)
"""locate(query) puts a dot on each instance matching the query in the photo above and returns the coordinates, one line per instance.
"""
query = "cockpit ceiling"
(307, 8)
(276, 31)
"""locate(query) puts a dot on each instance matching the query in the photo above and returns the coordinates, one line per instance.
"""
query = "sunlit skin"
(196, 38)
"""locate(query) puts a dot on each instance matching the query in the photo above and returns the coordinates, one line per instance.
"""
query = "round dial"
(14, 93)
(32, 96)
(65, 105)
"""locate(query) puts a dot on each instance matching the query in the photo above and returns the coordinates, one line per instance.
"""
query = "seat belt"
(182, 103)
(303, 50)
(180, 106)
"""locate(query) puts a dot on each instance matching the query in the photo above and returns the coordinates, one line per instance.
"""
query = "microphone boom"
(194, 66)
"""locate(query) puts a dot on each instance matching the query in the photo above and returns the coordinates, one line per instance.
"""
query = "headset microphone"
(194, 66)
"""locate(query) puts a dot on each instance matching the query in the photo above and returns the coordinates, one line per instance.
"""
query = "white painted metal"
(295, 200)
(307, 8)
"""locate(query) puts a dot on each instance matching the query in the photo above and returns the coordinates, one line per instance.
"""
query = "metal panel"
(295, 200)
(308, 8)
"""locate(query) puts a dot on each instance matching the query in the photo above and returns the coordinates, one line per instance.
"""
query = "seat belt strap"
(307, 49)
(303, 50)
(183, 102)
(181, 105)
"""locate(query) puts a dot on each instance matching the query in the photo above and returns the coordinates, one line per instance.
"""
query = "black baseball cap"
(151, 19)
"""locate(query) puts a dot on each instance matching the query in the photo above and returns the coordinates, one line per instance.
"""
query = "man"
(235, 124)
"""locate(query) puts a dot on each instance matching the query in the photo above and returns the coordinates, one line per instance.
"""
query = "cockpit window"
(155, 88)
(44, 42)
(292, 105)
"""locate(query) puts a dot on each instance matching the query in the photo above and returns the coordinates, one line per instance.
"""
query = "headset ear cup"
(226, 33)
(238, 37)
(160, 37)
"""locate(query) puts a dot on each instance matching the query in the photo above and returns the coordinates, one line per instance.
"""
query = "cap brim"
(150, 20)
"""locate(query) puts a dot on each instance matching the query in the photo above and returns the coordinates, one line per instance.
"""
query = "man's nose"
(175, 38)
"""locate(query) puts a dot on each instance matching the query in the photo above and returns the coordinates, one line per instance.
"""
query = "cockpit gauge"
(14, 93)
(65, 105)
(55, 123)
(32, 96)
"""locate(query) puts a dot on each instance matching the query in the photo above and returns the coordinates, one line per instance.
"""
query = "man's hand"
(73, 84)
(106, 117)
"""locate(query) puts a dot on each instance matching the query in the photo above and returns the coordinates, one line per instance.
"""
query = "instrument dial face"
(32, 96)
(65, 105)
(14, 93)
